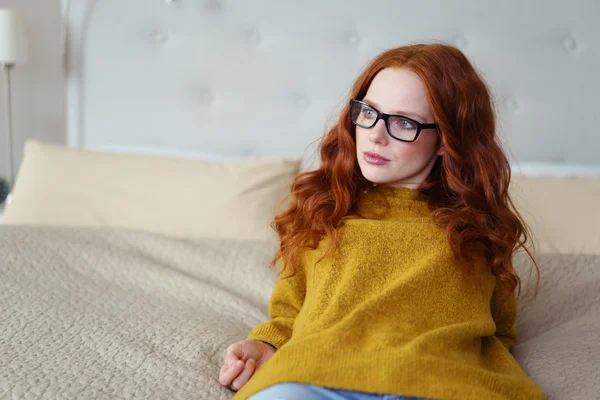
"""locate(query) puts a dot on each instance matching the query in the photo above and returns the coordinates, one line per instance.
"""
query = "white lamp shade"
(13, 38)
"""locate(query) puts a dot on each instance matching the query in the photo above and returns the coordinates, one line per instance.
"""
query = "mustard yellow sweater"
(393, 313)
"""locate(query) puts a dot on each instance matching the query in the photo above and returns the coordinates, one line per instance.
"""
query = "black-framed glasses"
(398, 126)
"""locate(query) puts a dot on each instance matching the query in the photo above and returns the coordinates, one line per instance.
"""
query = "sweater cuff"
(269, 333)
(270, 345)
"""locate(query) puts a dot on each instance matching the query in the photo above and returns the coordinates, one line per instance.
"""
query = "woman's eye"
(406, 124)
(369, 113)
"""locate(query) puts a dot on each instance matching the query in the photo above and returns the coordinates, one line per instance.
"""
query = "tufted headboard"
(229, 79)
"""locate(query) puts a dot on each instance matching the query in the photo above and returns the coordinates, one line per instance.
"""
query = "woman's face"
(398, 91)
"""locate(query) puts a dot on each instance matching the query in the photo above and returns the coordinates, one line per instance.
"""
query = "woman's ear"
(441, 149)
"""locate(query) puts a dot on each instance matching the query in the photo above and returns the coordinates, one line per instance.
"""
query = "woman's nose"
(378, 133)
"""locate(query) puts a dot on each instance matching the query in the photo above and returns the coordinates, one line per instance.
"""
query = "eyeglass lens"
(365, 117)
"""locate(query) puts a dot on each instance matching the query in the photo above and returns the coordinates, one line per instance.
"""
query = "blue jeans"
(299, 391)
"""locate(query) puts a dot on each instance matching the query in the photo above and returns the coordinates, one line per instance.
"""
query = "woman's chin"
(375, 178)
(378, 174)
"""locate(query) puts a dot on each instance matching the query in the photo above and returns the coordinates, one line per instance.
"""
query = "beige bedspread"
(111, 313)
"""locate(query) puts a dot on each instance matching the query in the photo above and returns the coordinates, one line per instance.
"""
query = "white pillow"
(58, 185)
(563, 212)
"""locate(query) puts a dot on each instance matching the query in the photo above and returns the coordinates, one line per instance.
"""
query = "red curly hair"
(467, 189)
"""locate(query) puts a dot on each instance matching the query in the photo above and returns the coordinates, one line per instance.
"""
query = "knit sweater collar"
(404, 202)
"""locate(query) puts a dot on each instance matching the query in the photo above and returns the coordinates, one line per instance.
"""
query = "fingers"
(231, 359)
(245, 375)
(229, 372)
(239, 364)
(236, 351)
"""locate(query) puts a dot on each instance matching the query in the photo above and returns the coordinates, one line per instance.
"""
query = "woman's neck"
(403, 201)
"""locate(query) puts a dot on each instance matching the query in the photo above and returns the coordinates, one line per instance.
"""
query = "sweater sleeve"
(285, 304)
(504, 312)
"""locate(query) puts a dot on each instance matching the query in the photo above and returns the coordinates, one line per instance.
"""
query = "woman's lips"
(374, 158)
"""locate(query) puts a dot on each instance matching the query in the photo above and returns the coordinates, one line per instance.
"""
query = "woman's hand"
(241, 360)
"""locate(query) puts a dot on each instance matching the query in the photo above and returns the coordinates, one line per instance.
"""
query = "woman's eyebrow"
(400, 112)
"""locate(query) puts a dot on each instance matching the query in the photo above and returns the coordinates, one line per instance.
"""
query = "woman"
(399, 250)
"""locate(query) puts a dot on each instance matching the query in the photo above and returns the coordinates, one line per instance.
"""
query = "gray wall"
(38, 86)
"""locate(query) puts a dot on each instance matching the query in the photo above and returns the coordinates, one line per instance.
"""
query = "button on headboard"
(230, 79)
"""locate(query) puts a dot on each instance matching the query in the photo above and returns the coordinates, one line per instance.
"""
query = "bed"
(134, 254)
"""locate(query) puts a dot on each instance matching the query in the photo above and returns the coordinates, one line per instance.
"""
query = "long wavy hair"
(466, 190)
